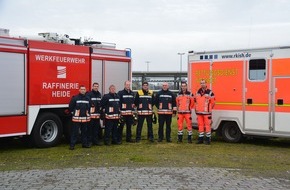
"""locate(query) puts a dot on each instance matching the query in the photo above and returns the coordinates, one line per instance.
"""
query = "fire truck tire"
(231, 132)
(47, 130)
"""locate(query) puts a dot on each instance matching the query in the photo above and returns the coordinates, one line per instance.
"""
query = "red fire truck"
(39, 77)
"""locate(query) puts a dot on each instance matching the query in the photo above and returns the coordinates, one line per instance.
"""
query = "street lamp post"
(180, 54)
(147, 65)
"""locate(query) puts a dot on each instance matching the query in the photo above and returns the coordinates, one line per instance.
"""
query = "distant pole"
(180, 54)
(147, 65)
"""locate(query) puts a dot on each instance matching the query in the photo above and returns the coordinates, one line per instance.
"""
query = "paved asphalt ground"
(137, 178)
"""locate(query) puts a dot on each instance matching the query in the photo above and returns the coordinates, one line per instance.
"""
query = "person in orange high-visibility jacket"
(204, 103)
(184, 104)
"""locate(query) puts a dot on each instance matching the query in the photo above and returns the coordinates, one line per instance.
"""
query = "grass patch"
(261, 157)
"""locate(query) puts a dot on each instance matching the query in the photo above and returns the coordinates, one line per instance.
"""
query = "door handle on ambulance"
(249, 101)
(280, 102)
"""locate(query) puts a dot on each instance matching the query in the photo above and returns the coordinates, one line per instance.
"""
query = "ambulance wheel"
(231, 132)
(47, 130)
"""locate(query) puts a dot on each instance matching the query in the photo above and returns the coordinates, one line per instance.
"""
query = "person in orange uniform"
(184, 103)
(204, 103)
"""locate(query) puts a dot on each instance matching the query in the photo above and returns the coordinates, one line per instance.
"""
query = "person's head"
(127, 85)
(145, 86)
(183, 86)
(165, 86)
(112, 88)
(82, 89)
(203, 83)
(95, 86)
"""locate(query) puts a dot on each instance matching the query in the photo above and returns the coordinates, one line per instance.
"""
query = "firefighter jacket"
(204, 101)
(126, 101)
(95, 100)
(144, 101)
(165, 102)
(111, 104)
(79, 106)
(184, 102)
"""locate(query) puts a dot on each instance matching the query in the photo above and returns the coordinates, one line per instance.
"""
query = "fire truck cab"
(39, 77)
(250, 87)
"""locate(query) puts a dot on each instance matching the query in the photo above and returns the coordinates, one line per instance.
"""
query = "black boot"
(179, 139)
(189, 139)
(207, 141)
(199, 140)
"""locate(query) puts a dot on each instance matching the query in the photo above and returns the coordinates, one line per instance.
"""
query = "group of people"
(119, 109)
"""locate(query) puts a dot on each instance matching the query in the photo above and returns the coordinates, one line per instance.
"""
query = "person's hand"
(174, 113)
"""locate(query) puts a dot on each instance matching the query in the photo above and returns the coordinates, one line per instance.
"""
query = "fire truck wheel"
(231, 132)
(47, 130)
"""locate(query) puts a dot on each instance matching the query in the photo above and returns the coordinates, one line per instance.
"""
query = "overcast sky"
(155, 30)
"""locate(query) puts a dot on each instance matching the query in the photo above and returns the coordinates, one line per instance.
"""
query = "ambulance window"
(257, 69)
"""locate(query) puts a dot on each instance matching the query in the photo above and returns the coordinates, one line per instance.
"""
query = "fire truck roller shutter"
(47, 130)
(116, 73)
(12, 83)
(97, 74)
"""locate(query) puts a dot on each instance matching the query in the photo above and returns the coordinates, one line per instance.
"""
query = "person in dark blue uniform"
(94, 126)
(79, 106)
(144, 102)
(165, 102)
(127, 110)
(110, 105)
